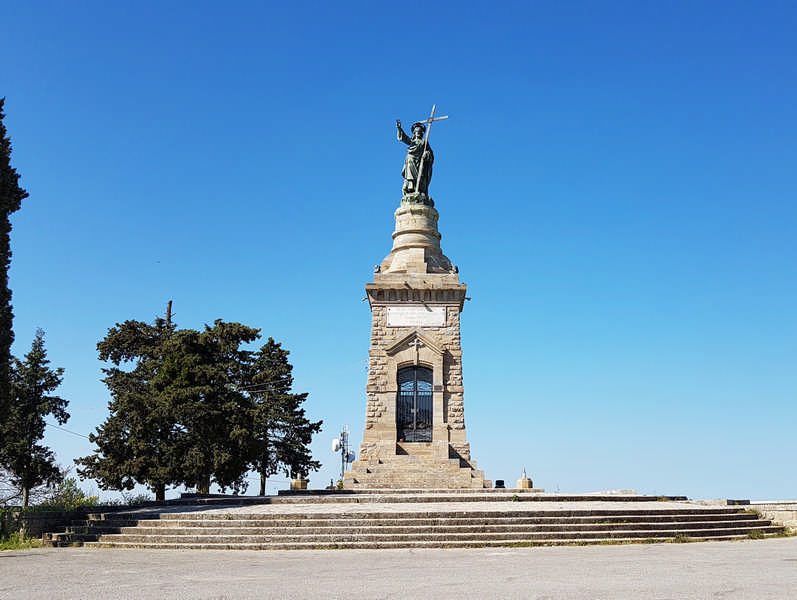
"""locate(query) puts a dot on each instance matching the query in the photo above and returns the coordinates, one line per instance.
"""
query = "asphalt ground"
(749, 569)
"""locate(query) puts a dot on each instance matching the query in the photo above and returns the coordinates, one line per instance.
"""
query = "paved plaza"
(751, 569)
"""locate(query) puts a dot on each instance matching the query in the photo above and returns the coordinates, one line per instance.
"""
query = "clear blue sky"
(616, 183)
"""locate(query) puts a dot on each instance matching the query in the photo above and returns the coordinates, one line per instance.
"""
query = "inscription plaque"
(416, 316)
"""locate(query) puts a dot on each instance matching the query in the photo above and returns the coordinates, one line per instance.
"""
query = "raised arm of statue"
(402, 137)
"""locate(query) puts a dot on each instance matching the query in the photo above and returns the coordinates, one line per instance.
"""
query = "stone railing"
(783, 512)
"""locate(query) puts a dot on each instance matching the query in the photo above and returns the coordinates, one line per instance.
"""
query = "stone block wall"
(438, 347)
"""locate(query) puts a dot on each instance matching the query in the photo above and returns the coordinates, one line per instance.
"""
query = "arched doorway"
(414, 404)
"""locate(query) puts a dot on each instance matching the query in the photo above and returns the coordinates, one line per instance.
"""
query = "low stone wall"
(33, 524)
(783, 512)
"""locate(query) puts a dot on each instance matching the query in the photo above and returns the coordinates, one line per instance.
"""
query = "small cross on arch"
(417, 344)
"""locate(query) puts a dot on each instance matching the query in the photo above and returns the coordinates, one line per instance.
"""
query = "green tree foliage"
(191, 407)
(30, 463)
(282, 431)
(11, 196)
(136, 442)
(202, 376)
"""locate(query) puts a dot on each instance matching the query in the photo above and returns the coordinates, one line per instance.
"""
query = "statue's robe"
(412, 164)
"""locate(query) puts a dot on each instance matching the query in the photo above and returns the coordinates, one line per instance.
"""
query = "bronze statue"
(417, 171)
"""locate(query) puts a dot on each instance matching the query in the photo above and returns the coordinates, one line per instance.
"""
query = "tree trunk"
(160, 492)
(25, 497)
(262, 484)
(203, 486)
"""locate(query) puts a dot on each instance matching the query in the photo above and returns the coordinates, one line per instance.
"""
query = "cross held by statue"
(430, 120)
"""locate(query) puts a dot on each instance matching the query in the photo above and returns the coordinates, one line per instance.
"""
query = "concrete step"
(415, 468)
(442, 540)
(506, 513)
(371, 545)
(208, 529)
(452, 495)
(409, 495)
(433, 536)
(426, 522)
(483, 516)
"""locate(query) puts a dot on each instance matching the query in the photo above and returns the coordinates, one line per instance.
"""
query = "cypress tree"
(11, 196)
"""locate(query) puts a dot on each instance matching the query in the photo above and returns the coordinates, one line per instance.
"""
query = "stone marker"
(524, 483)
(299, 483)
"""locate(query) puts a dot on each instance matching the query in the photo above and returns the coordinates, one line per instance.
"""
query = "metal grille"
(414, 404)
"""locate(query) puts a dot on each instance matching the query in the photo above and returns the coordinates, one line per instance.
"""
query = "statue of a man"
(417, 171)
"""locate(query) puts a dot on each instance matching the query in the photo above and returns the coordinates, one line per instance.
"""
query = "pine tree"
(135, 443)
(11, 196)
(202, 378)
(30, 463)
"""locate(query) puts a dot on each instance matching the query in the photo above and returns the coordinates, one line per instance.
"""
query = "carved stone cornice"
(383, 293)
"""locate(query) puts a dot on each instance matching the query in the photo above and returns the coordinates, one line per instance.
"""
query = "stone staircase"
(445, 523)
(416, 471)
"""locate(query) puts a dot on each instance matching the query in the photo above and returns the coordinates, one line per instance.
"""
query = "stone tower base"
(414, 466)
(414, 433)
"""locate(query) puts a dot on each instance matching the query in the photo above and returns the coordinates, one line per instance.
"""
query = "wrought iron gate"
(414, 404)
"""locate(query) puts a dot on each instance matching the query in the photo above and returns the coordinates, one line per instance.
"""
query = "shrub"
(68, 496)
(132, 499)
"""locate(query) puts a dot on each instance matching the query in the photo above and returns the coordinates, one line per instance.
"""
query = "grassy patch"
(613, 542)
(681, 539)
(530, 544)
(17, 541)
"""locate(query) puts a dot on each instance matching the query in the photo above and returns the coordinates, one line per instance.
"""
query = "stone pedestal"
(299, 484)
(416, 300)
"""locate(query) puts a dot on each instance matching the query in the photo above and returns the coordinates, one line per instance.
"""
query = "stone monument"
(414, 433)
